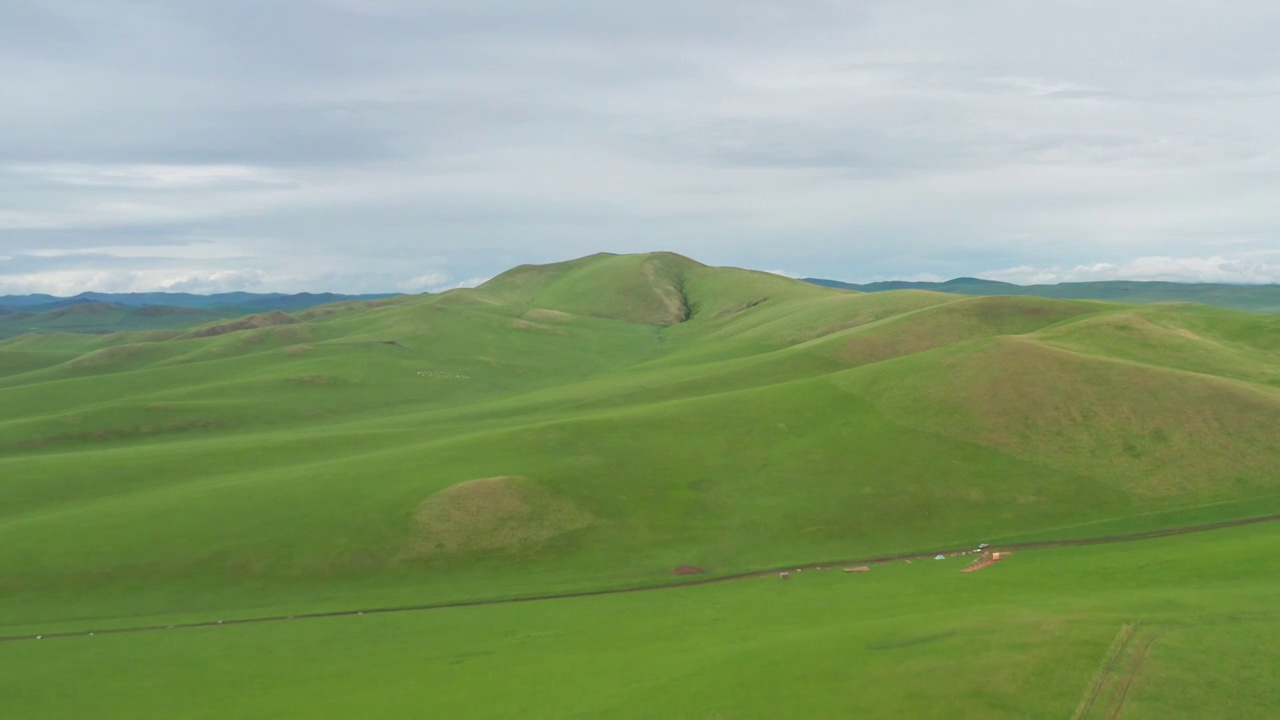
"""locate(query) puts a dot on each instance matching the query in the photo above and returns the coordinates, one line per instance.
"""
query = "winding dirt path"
(1107, 539)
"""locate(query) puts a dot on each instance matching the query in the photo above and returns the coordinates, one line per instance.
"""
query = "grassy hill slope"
(597, 423)
(1175, 628)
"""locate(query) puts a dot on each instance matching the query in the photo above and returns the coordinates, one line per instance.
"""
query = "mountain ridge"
(40, 302)
(1259, 298)
(101, 313)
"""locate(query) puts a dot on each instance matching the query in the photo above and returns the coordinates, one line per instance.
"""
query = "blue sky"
(387, 145)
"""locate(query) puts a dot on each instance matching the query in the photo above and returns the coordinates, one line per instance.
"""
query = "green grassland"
(595, 424)
(1040, 635)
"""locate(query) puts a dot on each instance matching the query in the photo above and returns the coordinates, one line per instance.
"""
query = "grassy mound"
(501, 513)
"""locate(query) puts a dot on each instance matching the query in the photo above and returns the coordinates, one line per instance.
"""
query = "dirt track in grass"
(1102, 540)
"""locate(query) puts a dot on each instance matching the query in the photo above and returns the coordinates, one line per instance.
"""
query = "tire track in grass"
(1116, 708)
(1105, 671)
(1107, 539)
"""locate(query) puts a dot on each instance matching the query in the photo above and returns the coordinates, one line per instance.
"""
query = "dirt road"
(646, 588)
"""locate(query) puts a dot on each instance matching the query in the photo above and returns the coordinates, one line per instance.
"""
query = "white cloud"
(72, 282)
(427, 282)
(202, 280)
(192, 251)
(436, 282)
(1041, 87)
(149, 176)
(916, 277)
(1216, 269)
(871, 139)
(198, 281)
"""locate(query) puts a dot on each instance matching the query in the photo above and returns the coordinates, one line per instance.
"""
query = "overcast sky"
(389, 145)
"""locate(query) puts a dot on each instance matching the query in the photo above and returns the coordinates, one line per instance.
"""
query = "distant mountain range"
(1254, 298)
(253, 302)
(92, 312)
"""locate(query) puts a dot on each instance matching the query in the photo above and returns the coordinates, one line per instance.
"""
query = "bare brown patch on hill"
(83, 309)
(251, 322)
(155, 311)
(500, 513)
(112, 356)
(546, 315)
(741, 307)
(674, 305)
(527, 325)
(315, 379)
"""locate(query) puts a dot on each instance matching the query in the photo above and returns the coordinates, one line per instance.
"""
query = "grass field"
(596, 424)
(1179, 627)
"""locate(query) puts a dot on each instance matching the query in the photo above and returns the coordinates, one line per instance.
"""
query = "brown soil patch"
(501, 513)
(526, 325)
(252, 322)
(740, 307)
(688, 570)
(985, 560)
(546, 315)
(315, 379)
(111, 355)
(862, 568)
(669, 293)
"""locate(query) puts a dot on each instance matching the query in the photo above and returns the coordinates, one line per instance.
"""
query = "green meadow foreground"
(1173, 628)
(596, 424)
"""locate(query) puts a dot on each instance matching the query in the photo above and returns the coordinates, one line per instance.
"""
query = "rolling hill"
(596, 424)
(1254, 298)
(251, 302)
(101, 318)
(104, 313)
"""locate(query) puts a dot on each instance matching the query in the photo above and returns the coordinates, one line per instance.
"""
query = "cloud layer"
(372, 145)
(1215, 269)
